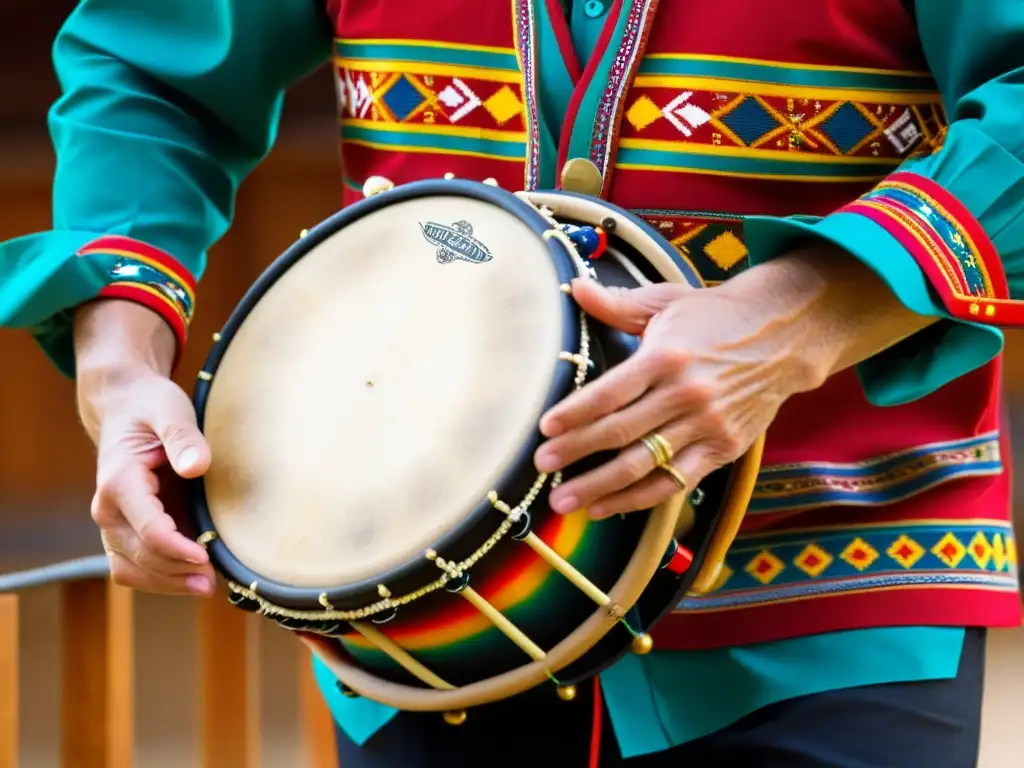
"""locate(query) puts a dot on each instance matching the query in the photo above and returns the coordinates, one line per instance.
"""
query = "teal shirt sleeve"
(165, 108)
(946, 232)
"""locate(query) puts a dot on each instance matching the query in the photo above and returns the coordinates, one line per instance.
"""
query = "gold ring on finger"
(675, 474)
(660, 448)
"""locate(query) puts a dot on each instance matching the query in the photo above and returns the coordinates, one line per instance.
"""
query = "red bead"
(602, 243)
(681, 560)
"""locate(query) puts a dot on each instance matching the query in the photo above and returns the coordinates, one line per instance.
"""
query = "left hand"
(711, 373)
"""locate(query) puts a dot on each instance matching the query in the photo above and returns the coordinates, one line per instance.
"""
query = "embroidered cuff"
(149, 276)
(948, 245)
(926, 361)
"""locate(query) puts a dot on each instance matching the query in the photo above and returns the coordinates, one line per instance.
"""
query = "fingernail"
(547, 461)
(565, 505)
(197, 560)
(200, 585)
(188, 458)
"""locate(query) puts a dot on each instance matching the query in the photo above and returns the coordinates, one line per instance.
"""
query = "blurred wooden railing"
(98, 677)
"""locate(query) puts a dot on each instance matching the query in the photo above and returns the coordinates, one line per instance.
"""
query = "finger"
(632, 464)
(126, 542)
(616, 430)
(132, 494)
(628, 309)
(173, 420)
(693, 464)
(128, 574)
(611, 392)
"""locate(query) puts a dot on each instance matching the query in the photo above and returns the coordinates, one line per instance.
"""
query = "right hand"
(144, 427)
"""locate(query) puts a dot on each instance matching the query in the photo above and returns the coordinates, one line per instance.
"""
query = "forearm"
(116, 341)
(838, 311)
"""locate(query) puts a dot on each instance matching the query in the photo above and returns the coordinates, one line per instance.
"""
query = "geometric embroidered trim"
(804, 564)
(881, 480)
(148, 276)
(948, 244)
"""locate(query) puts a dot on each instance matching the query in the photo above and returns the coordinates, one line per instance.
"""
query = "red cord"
(595, 733)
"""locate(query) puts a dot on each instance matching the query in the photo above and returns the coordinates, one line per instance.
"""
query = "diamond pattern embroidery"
(905, 551)
(813, 560)
(643, 113)
(981, 550)
(402, 99)
(998, 552)
(859, 554)
(750, 121)
(503, 105)
(726, 250)
(765, 567)
(847, 128)
(949, 550)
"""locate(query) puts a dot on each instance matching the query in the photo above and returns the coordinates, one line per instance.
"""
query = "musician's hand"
(712, 371)
(145, 430)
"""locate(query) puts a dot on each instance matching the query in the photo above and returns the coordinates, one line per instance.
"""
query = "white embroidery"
(460, 97)
(679, 110)
(904, 133)
(356, 97)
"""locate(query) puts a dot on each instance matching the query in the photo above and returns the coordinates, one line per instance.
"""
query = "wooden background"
(46, 464)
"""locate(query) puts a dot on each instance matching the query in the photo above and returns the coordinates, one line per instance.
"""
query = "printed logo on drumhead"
(455, 242)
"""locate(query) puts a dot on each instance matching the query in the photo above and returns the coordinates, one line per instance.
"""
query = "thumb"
(627, 309)
(174, 423)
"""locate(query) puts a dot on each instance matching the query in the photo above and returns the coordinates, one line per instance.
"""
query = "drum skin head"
(375, 385)
(379, 390)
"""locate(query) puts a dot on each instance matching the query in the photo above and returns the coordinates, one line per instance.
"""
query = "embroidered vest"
(698, 113)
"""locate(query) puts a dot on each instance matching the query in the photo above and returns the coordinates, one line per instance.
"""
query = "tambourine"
(372, 406)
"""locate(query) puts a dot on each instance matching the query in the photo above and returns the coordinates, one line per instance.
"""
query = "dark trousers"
(900, 725)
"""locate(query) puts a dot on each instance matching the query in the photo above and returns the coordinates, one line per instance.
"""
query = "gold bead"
(456, 717)
(975, 309)
(990, 311)
(567, 692)
(642, 644)
(303, 233)
(216, 338)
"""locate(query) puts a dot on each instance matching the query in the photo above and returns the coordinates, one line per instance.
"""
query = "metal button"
(581, 176)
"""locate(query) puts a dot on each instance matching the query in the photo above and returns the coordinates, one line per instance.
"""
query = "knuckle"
(666, 360)
(173, 432)
(699, 394)
(103, 513)
(121, 573)
(149, 534)
(634, 467)
(616, 434)
(716, 423)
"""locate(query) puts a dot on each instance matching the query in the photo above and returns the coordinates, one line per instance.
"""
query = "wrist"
(801, 300)
(112, 334)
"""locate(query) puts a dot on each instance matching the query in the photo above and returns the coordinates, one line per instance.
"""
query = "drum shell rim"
(411, 573)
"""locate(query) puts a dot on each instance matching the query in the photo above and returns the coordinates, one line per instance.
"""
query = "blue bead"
(594, 9)
(586, 240)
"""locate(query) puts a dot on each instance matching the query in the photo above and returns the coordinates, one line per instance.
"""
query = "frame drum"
(372, 406)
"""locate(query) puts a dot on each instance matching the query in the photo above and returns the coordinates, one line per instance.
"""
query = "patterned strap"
(948, 244)
(148, 276)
